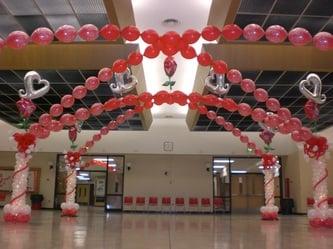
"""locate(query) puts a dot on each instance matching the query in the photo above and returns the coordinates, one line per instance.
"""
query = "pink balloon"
(234, 76)
(79, 92)
(284, 113)
(248, 85)
(283, 129)
(96, 109)
(42, 36)
(296, 136)
(276, 34)
(258, 114)
(66, 33)
(105, 74)
(104, 130)
(253, 32)
(92, 83)
(306, 133)
(35, 129)
(272, 120)
(236, 132)
(244, 139)
(228, 126)
(251, 145)
(82, 151)
(299, 36)
(211, 115)
(260, 95)
(89, 144)
(97, 137)
(120, 119)
(17, 40)
(273, 104)
(44, 133)
(55, 126)
(88, 32)
(220, 120)
(82, 114)
(68, 119)
(45, 119)
(67, 101)
(293, 124)
(258, 152)
(129, 113)
(112, 125)
(244, 109)
(56, 110)
(323, 41)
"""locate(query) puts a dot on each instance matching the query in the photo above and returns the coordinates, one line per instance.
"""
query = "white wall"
(187, 176)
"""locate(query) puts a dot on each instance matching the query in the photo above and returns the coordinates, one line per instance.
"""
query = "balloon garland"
(169, 44)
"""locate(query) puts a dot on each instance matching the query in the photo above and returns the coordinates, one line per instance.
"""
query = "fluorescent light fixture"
(103, 159)
(83, 173)
(112, 165)
(214, 171)
(223, 161)
(218, 166)
(238, 171)
(78, 168)
(261, 167)
(83, 178)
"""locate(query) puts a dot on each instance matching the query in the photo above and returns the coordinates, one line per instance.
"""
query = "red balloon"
(272, 121)
(92, 83)
(211, 115)
(112, 125)
(89, 144)
(119, 66)
(253, 32)
(45, 119)
(276, 34)
(121, 119)
(150, 36)
(210, 33)
(35, 129)
(145, 97)
(191, 36)
(193, 106)
(231, 32)
(299, 37)
(79, 92)
(82, 151)
(244, 109)
(230, 105)
(129, 113)
(220, 67)
(273, 104)
(97, 137)
(258, 152)
(66, 33)
(105, 74)
(244, 139)
(130, 100)
(148, 105)
(323, 41)
(188, 52)
(56, 110)
(104, 130)
(258, 114)
(17, 40)
(96, 109)
(284, 113)
(68, 119)
(228, 126)
(170, 38)
(179, 97)
(134, 58)
(130, 33)
(202, 109)
(67, 101)
(88, 32)
(55, 126)
(209, 99)
(260, 95)
(112, 104)
(42, 36)
(282, 128)
(44, 133)
(234, 76)
(248, 85)
(220, 120)
(236, 132)
(294, 124)
(169, 50)
(195, 97)
(110, 32)
(151, 52)
(251, 145)
(205, 59)
(306, 133)
(82, 114)
(296, 136)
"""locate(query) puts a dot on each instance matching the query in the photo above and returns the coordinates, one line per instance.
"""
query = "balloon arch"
(274, 119)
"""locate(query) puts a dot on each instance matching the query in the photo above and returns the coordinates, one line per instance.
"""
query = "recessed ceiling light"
(170, 22)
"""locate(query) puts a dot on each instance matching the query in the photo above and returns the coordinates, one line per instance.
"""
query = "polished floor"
(94, 229)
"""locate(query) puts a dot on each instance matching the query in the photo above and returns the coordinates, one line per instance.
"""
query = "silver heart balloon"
(215, 83)
(265, 127)
(314, 81)
(29, 92)
(123, 82)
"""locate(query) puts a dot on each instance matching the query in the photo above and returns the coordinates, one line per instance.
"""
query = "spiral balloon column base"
(17, 213)
(70, 208)
(269, 212)
(320, 218)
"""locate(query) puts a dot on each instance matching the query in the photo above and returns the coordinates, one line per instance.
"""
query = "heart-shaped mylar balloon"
(29, 92)
(123, 82)
(215, 83)
(313, 82)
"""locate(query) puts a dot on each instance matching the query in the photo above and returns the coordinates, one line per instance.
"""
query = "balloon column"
(17, 210)
(314, 150)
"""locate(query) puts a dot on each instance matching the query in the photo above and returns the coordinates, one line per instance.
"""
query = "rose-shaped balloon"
(316, 146)
(72, 134)
(266, 136)
(170, 66)
(24, 140)
(26, 107)
(311, 110)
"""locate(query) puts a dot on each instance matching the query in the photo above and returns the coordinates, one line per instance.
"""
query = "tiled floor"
(94, 229)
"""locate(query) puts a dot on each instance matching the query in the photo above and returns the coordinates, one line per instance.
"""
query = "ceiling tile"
(242, 19)
(291, 78)
(256, 6)
(59, 20)
(99, 20)
(19, 7)
(8, 24)
(9, 76)
(312, 24)
(32, 22)
(72, 76)
(290, 7)
(54, 7)
(283, 20)
(88, 6)
(320, 8)
(277, 91)
(268, 77)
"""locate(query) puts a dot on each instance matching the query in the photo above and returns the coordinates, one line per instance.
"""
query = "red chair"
(166, 203)
(193, 203)
(205, 204)
(218, 202)
(128, 201)
(140, 202)
(180, 204)
(152, 202)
